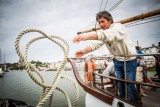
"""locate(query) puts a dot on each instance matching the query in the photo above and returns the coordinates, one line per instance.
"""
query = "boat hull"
(91, 101)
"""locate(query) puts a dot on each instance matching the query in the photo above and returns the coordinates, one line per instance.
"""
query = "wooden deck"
(152, 99)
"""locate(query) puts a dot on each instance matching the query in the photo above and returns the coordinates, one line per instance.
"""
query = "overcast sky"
(65, 18)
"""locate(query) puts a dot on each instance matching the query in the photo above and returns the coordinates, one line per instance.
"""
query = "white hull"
(92, 101)
(1, 72)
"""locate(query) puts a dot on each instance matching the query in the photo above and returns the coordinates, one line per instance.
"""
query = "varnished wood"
(131, 19)
(89, 89)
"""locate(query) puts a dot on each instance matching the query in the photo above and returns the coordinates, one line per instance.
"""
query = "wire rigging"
(101, 48)
(111, 9)
(101, 5)
(114, 6)
(142, 23)
(88, 26)
(105, 5)
(94, 22)
(99, 11)
(138, 21)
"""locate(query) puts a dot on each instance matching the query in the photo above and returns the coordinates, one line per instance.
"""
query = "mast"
(137, 43)
(0, 56)
(5, 66)
(4, 58)
(131, 19)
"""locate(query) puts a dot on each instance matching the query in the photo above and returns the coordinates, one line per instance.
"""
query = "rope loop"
(48, 90)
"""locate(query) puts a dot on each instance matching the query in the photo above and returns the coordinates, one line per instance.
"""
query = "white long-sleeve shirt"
(109, 69)
(116, 40)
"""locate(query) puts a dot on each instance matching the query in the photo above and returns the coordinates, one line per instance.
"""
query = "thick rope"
(48, 90)
(76, 89)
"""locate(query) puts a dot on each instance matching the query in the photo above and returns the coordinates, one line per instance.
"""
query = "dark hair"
(139, 57)
(106, 15)
(137, 47)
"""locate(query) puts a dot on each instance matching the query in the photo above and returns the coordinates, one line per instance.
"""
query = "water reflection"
(18, 85)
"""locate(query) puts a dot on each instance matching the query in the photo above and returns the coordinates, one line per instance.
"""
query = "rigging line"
(101, 5)
(113, 7)
(143, 23)
(145, 20)
(92, 23)
(105, 5)
(153, 17)
(99, 11)
(103, 9)
(131, 23)
(95, 26)
(108, 11)
(110, 8)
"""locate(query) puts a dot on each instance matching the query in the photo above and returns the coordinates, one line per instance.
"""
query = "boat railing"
(101, 83)
(89, 89)
(115, 91)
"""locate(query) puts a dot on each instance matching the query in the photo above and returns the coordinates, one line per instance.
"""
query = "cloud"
(64, 18)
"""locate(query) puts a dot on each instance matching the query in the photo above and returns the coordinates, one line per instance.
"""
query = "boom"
(131, 19)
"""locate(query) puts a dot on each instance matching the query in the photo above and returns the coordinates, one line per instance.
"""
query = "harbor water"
(18, 85)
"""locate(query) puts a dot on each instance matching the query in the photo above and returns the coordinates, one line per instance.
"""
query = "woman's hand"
(79, 53)
(79, 38)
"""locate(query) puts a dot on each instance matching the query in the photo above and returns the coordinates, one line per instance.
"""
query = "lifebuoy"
(89, 67)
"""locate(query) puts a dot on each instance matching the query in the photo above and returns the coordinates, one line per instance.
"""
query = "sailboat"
(5, 65)
(99, 96)
(1, 73)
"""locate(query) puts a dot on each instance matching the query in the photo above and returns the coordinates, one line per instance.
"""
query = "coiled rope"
(48, 90)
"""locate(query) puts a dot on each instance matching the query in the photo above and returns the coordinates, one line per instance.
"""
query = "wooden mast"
(131, 19)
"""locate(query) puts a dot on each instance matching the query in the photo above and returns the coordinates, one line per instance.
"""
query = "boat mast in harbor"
(0, 56)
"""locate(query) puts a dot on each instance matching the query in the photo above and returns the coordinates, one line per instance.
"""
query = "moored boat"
(1, 72)
(99, 95)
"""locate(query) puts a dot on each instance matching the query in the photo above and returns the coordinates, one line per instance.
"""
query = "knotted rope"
(48, 90)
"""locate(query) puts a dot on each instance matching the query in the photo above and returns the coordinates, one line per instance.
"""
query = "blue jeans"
(130, 75)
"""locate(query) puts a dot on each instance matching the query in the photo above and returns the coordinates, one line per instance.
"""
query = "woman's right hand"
(79, 38)
(79, 53)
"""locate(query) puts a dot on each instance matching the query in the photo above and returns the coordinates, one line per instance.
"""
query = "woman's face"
(104, 23)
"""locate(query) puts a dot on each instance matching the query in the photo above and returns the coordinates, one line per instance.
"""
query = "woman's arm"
(79, 38)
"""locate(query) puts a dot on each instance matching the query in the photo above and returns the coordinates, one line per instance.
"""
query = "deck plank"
(152, 99)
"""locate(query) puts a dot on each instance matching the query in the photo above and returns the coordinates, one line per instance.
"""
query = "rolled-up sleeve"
(95, 45)
(117, 32)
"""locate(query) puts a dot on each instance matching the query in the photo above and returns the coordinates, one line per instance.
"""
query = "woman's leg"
(131, 75)
(120, 74)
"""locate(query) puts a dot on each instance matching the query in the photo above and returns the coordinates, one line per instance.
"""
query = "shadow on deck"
(152, 99)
